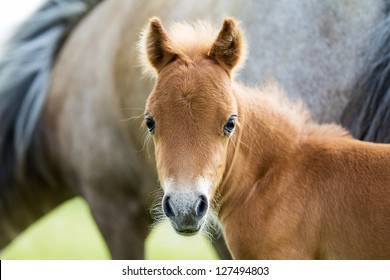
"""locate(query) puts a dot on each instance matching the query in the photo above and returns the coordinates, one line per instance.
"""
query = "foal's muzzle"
(186, 212)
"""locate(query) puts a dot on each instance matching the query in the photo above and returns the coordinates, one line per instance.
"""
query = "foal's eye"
(150, 124)
(230, 125)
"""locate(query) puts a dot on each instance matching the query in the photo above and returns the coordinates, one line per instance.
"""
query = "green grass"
(69, 232)
(165, 244)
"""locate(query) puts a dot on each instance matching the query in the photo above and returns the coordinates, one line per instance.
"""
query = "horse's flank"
(27, 172)
(99, 155)
(289, 188)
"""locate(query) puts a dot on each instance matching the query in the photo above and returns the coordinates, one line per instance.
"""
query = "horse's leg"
(22, 205)
(221, 248)
(124, 221)
(122, 218)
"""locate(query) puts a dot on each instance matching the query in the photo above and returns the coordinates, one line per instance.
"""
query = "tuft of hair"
(189, 40)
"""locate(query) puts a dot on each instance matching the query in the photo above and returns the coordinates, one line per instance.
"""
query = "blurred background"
(69, 232)
(13, 12)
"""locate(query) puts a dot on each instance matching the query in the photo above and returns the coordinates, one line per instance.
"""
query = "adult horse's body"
(64, 132)
(284, 186)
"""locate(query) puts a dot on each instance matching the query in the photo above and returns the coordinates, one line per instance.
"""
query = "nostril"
(201, 206)
(167, 207)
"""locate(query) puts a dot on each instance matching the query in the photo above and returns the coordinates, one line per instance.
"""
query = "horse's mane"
(294, 114)
(189, 40)
(25, 73)
(367, 115)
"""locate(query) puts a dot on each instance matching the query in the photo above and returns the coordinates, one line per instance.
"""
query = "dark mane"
(25, 73)
(367, 114)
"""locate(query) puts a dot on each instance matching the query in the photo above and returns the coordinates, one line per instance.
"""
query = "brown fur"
(288, 188)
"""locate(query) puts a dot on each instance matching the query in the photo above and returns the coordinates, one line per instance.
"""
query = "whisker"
(133, 118)
(212, 226)
(240, 142)
(132, 108)
(238, 139)
(251, 127)
(146, 143)
(156, 212)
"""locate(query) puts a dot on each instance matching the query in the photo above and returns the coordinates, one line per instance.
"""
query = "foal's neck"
(263, 140)
(268, 134)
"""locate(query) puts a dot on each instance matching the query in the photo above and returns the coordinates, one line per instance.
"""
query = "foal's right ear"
(158, 45)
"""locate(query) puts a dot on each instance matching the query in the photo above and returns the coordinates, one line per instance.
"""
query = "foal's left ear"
(228, 48)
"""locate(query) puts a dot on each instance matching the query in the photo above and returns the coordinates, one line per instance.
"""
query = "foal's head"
(191, 115)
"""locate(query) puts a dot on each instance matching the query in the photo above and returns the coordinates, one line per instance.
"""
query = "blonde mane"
(189, 40)
(294, 113)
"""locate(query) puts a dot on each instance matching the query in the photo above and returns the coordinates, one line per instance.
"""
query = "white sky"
(13, 12)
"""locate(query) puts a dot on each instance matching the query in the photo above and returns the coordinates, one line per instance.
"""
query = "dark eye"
(230, 125)
(150, 124)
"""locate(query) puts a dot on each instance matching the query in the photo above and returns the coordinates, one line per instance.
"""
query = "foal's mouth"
(186, 231)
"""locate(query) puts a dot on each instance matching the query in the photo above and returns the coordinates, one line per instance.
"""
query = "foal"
(286, 187)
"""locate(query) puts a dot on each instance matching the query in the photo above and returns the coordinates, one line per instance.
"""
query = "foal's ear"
(158, 45)
(228, 47)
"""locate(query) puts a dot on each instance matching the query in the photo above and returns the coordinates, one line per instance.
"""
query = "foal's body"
(309, 191)
(285, 186)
